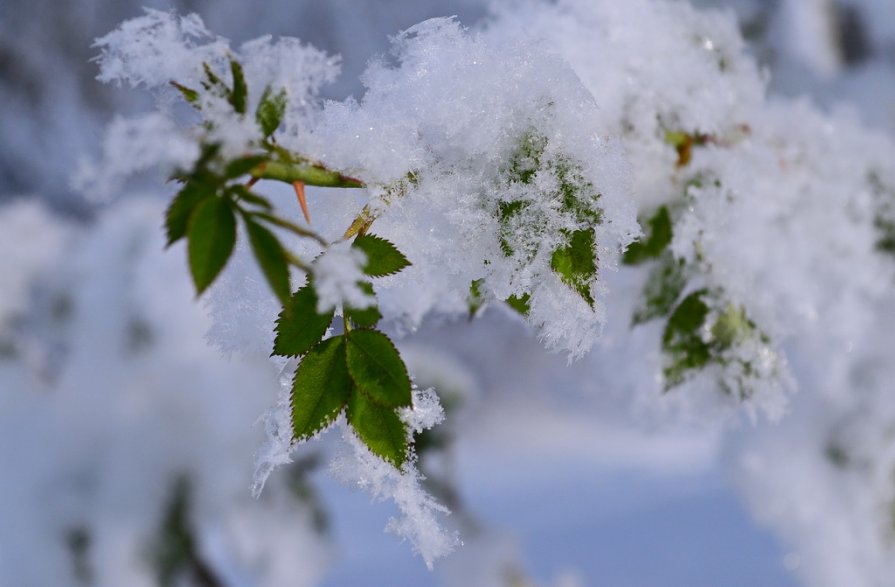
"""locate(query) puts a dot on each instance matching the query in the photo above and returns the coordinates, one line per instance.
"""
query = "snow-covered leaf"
(383, 258)
(270, 111)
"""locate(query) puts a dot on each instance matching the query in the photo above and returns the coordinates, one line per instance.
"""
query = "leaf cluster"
(694, 336)
(575, 260)
(359, 372)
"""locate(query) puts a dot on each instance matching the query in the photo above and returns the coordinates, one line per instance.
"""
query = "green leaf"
(379, 427)
(270, 111)
(239, 95)
(299, 326)
(177, 217)
(377, 368)
(682, 340)
(663, 286)
(320, 389)
(214, 83)
(475, 299)
(174, 551)
(243, 165)
(521, 304)
(367, 317)
(271, 258)
(243, 193)
(576, 263)
(190, 95)
(383, 258)
(732, 326)
(211, 235)
(656, 240)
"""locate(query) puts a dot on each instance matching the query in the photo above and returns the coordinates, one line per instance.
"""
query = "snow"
(337, 275)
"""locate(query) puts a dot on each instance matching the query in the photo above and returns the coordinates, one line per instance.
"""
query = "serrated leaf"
(682, 340)
(177, 217)
(320, 389)
(521, 304)
(240, 92)
(379, 428)
(576, 263)
(299, 326)
(270, 111)
(383, 258)
(271, 258)
(243, 165)
(654, 243)
(211, 237)
(663, 286)
(377, 368)
(366, 317)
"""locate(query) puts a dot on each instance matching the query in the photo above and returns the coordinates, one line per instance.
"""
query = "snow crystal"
(279, 444)
(158, 47)
(287, 64)
(458, 140)
(420, 520)
(426, 411)
(337, 275)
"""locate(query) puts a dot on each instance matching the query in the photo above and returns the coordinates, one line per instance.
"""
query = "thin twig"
(291, 226)
(293, 259)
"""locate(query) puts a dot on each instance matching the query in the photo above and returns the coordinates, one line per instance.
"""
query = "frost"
(279, 444)
(421, 519)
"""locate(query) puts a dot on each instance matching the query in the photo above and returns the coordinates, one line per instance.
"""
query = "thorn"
(249, 184)
(300, 194)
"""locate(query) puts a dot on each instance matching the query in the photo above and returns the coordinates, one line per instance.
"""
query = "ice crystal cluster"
(613, 174)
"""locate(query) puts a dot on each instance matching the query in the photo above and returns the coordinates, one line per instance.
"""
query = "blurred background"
(127, 442)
